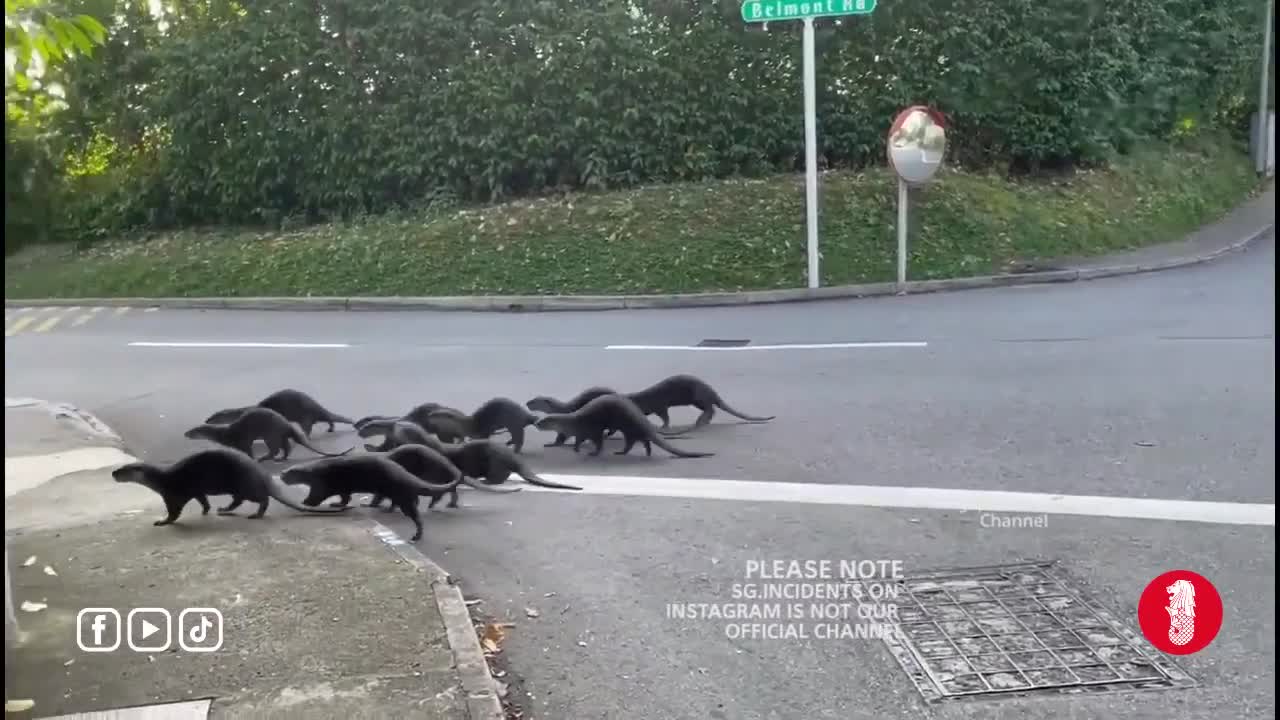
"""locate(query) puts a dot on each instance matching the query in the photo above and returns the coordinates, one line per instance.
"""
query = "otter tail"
(301, 439)
(532, 478)
(277, 493)
(720, 403)
(657, 440)
(489, 488)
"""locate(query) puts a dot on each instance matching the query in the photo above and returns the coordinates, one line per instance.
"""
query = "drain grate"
(1016, 630)
(713, 342)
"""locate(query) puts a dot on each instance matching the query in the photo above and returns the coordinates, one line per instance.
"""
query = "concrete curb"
(96, 446)
(567, 303)
(468, 658)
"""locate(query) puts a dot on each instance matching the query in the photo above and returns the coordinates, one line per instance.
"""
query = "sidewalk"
(323, 617)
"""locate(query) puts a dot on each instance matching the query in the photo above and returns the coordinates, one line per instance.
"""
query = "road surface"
(898, 419)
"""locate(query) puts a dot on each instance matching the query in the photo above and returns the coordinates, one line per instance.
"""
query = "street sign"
(778, 10)
(763, 11)
(916, 146)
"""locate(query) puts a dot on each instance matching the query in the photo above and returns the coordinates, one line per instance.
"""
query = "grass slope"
(722, 235)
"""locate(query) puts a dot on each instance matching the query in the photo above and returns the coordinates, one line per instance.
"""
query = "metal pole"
(1264, 117)
(811, 155)
(904, 195)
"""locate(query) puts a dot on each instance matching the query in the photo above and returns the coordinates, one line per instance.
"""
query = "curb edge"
(468, 659)
(570, 303)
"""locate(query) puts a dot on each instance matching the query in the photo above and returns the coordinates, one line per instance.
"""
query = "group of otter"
(428, 451)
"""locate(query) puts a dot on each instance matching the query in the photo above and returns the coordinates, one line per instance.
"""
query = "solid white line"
(795, 346)
(922, 497)
(237, 345)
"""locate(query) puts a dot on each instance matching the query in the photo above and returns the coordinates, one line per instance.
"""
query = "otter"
(496, 414)
(591, 421)
(433, 467)
(495, 464)
(257, 423)
(683, 390)
(548, 404)
(396, 433)
(373, 474)
(295, 405)
(214, 471)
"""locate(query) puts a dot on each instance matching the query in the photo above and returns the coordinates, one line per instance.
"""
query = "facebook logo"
(98, 629)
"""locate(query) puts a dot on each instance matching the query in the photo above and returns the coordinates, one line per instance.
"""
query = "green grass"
(713, 236)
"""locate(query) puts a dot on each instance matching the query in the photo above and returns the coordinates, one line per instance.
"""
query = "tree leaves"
(277, 109)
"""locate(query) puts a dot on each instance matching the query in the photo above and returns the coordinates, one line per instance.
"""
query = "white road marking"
(1225, 513)
(237, 345)
(792, 346)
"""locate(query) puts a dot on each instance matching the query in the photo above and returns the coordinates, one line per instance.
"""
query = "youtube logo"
(150, 630)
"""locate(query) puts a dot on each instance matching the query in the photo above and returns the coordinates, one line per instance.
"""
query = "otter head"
(542, 404)
(298, 475)
(199, 432)
(133, 472)
(225, 417)
(550, 422)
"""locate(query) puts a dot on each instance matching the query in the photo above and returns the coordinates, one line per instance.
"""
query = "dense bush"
(228, 112)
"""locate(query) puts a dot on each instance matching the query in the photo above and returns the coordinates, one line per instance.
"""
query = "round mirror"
(917, 142)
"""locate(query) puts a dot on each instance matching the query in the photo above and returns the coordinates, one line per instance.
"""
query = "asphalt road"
(1154, 386)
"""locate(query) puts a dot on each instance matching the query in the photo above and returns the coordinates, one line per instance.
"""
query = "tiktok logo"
(200, 630)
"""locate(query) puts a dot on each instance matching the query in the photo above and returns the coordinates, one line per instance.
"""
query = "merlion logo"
(1180, 612)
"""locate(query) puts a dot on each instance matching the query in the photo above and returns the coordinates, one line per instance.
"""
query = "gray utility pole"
(1264, 117)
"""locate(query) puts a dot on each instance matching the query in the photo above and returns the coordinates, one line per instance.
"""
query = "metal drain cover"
(1016, 630)
(714, 342)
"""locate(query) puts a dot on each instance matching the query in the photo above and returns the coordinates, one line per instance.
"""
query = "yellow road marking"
(48, 324)
(82, 320)
(122, 310)
(18, 326)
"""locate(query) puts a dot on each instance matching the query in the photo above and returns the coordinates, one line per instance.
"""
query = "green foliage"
(42, 38)
(278, 110)
(735, 234)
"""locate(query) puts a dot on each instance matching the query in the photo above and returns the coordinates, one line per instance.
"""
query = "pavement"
(1119, 428)
(315, 617)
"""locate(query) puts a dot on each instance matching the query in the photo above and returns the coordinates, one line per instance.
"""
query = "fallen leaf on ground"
(28, 606)
(582, 643)
(49, 571)
(530, 612)
(18, 705)
(29, 561)
(1145, 443)
(469, 603)
(491, 637)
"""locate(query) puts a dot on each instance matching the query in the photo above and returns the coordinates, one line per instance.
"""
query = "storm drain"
(715, 342)
(1017, 630)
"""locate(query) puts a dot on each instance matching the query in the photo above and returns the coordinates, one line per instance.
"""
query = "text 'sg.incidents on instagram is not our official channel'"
(803, 600)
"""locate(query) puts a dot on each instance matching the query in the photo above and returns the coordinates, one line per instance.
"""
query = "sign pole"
(811, 154)
(1264, 117)
(766, 11)
(904, 196)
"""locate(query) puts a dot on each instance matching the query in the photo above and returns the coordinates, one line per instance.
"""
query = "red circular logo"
(1180, 612)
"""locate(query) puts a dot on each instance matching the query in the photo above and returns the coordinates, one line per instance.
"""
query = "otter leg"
(236, 501)
(175, 509)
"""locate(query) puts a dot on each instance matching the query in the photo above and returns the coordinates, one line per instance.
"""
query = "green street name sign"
(775, 10)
